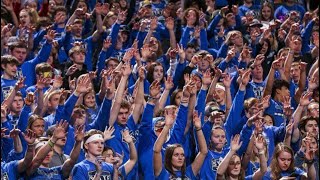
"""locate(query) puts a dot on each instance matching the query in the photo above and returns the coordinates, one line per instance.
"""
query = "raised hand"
(29, 99)
(289, 128)
(235, 143)
(153, 23)
(145, 52)
(312, 83)
(128, 55)
(118, 159)
(71, 70)
(181, 52)
(60, 130)
(197, 120)
(14, 133)
(259, 59)
(3, 131)
(29, 136)
(20, 84)
(169, 115)
(50, 35)
(84, 84)
(169, 23)
(107, 43)
(304, 99)
(108, 133)
(110, 86)
(265, 102)
(79, 133)
(287, 110)
(155, 89)
(126, 69)
(245, 78)
(255, 117)
(92, 74)
(122, 16)
(57, 82)
(195, 59)
(227, 81)
(231, 53)
(168, 83)
(310, 153)
(126, 136)
(98, 8)
(41, 83)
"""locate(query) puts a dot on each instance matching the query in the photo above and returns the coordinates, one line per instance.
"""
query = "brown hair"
(268, 4)
(274, 165)
(43, 67)
(168, 160)
(150, 71)
(242, 173)
(32, 119)
(9, 59)
(185, 14)
(248, 103)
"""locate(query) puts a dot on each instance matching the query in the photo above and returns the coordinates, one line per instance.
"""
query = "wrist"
(76, 93)
(53, 140)
(198, 129)
(309, 162)
(261, 152)
(51, 143)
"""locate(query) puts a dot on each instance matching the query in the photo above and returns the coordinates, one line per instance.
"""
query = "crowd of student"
(161, 89)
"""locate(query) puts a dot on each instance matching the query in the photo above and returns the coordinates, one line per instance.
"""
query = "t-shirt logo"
(215, 163)
(105, 175)
(4, 176)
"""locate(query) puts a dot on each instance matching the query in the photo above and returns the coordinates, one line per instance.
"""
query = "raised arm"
(227, 83)
(223, 166)
(259, 143)
(139, 98)
(58, 133)
(170, 26)
(98, 10)
(157, 156)
(29, 137)
(128, 166)
(277, 64)
(69, 163)
(126, 71)
(203, 149)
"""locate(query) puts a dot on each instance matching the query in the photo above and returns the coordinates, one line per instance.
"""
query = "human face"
(178, 158)
(158, 127)
(95, 147)
(154, 44)
(79, 115)
(253, 110)
(268, 120)
(61, 20)
(10, 70)
(284, 91)
(177, 99)
(123, 3)
(257, 72)
(189, 53)
(24, 18)
(191, 17)
(284, 160)
(83, 6)
(54, 101)
(78, 57)
(20, 54)
(219, 95)
(295, 73)
(237, 40)
(231, 19)
(17, 104)
(77, 29)
(313, 110)
(112, 65)
(312, 128)
(52, 5)
(47, 159)
(61, 142)
(198, 82)
(109, 156)
(266, 12)
(217, 118)
(158, 73)
(123, 116)
(218, 138)
(203, 65)
(111, 20)
(264, 48)
(234, 166)
(90, 100)
(38, 127)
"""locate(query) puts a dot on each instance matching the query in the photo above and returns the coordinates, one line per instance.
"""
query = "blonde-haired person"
(282, 165)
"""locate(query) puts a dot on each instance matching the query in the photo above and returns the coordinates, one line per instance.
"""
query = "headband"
(218, 86)
(94, 138)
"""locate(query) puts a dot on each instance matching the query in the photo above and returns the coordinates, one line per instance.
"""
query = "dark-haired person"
(94, 166)
(174, 164)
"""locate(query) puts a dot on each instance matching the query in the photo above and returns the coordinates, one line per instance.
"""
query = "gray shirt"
(57, 159)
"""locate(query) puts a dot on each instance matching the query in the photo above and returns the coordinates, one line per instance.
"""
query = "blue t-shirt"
(166, 175)
(54, 173)
(210, 165)
(299, 173)
(9, 170)
(86, 170)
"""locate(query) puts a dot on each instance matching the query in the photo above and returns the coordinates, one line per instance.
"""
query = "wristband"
(150, 98)
(199, 129)
(51, 144)
(309, 161)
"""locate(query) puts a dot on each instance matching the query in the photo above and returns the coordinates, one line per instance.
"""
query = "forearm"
(202, 142)
(302, 85)
(30, 42)
(270, 77)
(192, 104)
(147, 38)
(297, 116)
(173, 41)
(311, 171)
(162, 101)
(161, 139)
(287, 139)
(9, 100)
(211, 90)
(222, 168)
(228, 100)
(27, 158)
(71, 19)
(40, 103)
(17, 144)
(287, 64)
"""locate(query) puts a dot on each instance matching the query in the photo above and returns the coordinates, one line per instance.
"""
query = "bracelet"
(51, 144)
(291, 52)
(309, 161)
(150, 97)
(199, 129)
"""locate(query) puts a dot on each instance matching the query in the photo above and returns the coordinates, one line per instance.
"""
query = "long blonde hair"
(274, 166)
